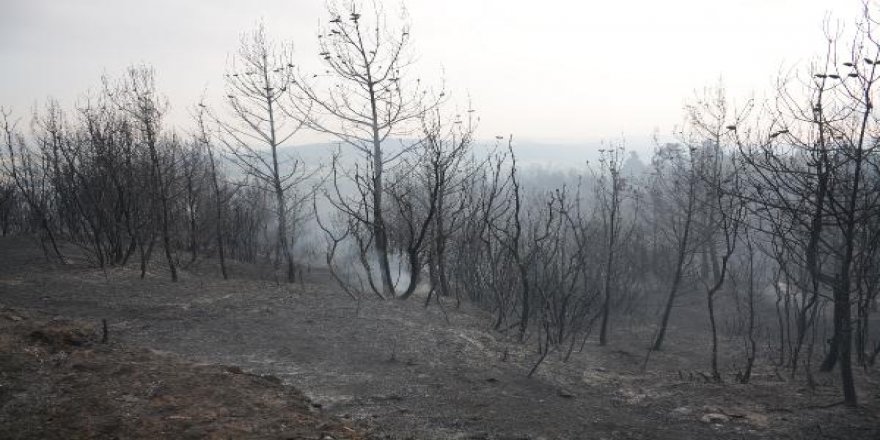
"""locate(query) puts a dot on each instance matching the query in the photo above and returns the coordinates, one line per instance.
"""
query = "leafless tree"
(677, 185)
(30, 176)
(136, 94)
(813, 179)
(610, 191)
(258, 96)
(446, 150)
(11, 207)
(365, 99)
(709, 122)
(204, 139)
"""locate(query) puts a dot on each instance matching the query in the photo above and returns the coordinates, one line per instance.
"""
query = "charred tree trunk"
(681, 259)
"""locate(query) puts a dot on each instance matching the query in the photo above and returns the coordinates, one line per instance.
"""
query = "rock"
(714, 418)
(78, 366)
(471, 436)
(60, 336)
(565, 393)
(683, 410)
(128, 398)
(757, 419)
(271, 378)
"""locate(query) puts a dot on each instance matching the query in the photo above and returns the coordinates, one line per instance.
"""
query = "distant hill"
(528, 152)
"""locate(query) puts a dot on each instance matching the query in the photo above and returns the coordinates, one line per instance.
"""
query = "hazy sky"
(549, 70)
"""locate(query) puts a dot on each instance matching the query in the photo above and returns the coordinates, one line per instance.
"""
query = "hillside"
(392, 369)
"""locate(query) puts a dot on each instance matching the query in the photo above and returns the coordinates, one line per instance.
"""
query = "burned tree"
(365, 99)
(203, 139)
(610, 187)
(709, 122)
(30, 176)
(137, 96)
(813, 178)
(261, 120)
(675, 190)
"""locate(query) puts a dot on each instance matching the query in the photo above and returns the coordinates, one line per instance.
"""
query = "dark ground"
(398, 370)
(59, 382)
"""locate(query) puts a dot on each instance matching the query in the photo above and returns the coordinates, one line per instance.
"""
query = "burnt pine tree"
(259, 122)
(365, 98)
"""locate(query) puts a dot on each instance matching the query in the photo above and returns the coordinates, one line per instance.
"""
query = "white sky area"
(549, 71)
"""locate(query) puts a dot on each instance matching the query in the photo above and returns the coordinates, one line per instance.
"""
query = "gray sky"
(549, 70)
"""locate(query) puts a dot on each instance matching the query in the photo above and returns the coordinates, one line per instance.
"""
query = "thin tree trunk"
(679, 269)
(218, 199)
(381, 236)
(609, 267)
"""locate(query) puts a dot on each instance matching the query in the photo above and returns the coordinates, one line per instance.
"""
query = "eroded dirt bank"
(57, 381)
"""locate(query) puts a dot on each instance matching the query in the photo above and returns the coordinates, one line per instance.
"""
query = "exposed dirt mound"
(58, 382)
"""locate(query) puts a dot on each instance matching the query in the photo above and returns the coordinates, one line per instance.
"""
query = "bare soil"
(58, 382)
(395, 369)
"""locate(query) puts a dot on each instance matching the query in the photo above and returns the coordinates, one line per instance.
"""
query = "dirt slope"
(58, 382)
(403, 371)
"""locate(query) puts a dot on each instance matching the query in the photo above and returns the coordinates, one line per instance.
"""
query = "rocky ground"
(387, 369)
